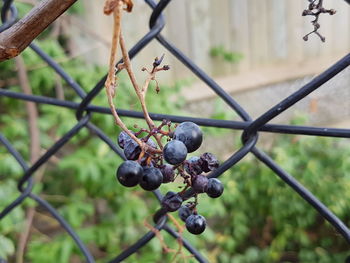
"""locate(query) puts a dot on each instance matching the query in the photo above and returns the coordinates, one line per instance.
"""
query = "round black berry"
(175, 152)
(193, 166)
(195, 224)
(199, 183)
(129, 173)
(168, 173)
(184, 212)
(171, 201)
(151, 178)
(131, 149)
(214, 188)
(209, 162)
(190, 134)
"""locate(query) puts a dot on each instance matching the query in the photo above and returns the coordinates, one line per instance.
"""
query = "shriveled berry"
(168, 173)
(193, 166)
(214, 188)
(151, 178)
(209, 162)
(199, 183)
(131, 150)
(151, 143)
(190, 134)
(123, 138)
(195, 224)
(175, 152)
(184, 212)
(129, 173)
(171, 201)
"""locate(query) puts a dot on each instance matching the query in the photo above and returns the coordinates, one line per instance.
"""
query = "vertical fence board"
(220, 34)
(177, 23)
(340, 30)
(200, 32)
(239, 32)
(295, 30)
(278, 29)
(257, 13)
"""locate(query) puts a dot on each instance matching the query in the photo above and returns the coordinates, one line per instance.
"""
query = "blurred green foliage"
(258, 218)
(222, 53)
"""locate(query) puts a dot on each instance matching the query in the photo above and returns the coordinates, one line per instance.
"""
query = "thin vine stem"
(115, 7)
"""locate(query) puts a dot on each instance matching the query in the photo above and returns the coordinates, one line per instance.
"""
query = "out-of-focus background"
(255, 51)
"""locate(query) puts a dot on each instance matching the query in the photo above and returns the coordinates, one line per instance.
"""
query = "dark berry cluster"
(152, 164)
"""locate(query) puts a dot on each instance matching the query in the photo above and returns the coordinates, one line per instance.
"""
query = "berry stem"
(141, 94)
(115, 7)
(110, 84)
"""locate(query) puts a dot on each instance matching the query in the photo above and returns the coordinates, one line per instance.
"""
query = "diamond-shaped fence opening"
(251, 128)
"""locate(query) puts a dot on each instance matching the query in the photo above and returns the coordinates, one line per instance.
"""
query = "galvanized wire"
(251, 129)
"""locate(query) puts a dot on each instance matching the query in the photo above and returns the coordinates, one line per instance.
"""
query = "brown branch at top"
(15, 39)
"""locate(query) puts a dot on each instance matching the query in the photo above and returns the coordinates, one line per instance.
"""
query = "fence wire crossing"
(251, 128)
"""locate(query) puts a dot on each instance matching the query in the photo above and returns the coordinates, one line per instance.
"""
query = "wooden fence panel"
(266, 32)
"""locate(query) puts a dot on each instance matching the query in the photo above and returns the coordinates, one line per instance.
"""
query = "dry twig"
(316, 8)
(115, 7)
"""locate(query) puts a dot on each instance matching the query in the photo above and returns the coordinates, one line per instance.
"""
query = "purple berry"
(151, 178)
(184, 212)
(122, 138)
(214, 188)
(209, 162)
(151, 143)
(190, 134)
(129, 173)
(131, 150)
(171, 201)
(199, 183)
(175, 152)
(193, 166)
(168, 173)
(195, 224)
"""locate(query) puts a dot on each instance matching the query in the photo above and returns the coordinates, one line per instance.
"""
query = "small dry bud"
(332, 12)
(306, 12)
(158, 61)
(306, 38)
(166, 67)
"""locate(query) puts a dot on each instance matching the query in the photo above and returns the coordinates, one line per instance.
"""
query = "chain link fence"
(251, 129)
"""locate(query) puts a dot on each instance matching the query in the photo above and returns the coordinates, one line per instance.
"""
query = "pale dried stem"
(141, 94)
(160, 238)
(179, 239)
(111, 79)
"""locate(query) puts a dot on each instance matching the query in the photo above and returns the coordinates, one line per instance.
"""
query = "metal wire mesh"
(251, 128)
